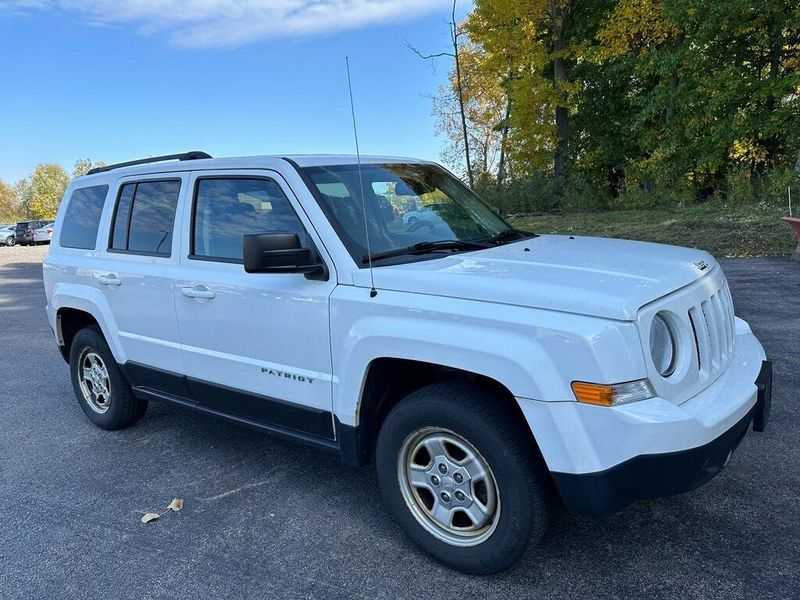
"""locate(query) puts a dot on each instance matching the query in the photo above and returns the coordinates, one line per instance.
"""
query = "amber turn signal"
(592, 393)
(612, 395)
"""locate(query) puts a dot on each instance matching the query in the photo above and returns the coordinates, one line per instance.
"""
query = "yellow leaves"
(749, 151)
(42, 190)
(635, 25)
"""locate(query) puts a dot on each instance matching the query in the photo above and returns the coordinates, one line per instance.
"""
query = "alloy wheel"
(448, 486)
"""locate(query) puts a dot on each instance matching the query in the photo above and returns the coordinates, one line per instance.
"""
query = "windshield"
(406, 205)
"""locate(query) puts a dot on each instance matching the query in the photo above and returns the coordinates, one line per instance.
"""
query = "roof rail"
(194, 155)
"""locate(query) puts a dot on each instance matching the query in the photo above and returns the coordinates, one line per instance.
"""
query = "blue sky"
(116, 80)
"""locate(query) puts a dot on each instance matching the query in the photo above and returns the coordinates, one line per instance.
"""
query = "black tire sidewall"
(118, 414)
(520, 488)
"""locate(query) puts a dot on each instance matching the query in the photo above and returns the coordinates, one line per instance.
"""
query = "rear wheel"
(10, 240)
(460, 477)
(102, 391)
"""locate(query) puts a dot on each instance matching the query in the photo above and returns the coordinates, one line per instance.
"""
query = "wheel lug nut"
(435, 480)
(460, 496)
(458, 478)
(442, 468)
(445, 497)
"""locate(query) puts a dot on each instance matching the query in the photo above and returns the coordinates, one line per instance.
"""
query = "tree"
(456, 33)
(533, 51)
(483, 101)
(712, 84)
(84, 165)
(557, 18)
(9, 207)
(42, 190)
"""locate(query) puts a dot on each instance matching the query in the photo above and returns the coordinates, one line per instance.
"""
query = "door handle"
(109, 279)
(198, 291)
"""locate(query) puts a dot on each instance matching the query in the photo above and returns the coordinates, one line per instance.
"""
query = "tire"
(117, 408)
(10, 240)
(463, 417)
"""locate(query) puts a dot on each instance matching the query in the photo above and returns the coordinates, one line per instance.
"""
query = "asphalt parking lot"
(265, 518)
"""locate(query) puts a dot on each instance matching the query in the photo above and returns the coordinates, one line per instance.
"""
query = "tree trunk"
(772, 143)
(454, 26)
(561, 166)
(501, 167)
(673, 89)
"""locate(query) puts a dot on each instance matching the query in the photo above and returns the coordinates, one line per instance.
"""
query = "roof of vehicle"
(244, 162)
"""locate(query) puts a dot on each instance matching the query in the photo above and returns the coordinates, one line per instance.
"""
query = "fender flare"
(500, 355)
(93, 302)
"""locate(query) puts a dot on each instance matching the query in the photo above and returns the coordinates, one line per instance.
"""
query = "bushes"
(640, 191)
(770, 187)
(538, 195)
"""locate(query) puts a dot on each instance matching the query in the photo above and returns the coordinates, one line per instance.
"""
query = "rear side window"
(225, 209)
(82, 218)
(145, 217)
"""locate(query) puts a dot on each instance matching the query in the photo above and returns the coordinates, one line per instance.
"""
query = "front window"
(228, 208)
(407, 206)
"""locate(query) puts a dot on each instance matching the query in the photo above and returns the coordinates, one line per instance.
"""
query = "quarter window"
(145, 217)
(225, 209)
(82, 218)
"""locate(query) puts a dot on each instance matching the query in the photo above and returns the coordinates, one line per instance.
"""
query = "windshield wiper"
(508, 234)
(423, 247)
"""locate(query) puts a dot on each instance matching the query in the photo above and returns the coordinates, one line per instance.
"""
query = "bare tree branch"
(427, 56)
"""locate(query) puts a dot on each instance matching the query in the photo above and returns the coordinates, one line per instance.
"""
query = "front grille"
(714, 335)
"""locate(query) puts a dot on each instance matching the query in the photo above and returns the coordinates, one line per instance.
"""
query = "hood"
(601, 277)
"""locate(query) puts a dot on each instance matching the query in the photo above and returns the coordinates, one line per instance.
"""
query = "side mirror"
(279, 252)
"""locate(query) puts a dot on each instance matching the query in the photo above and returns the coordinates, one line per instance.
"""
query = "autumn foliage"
(628, 100)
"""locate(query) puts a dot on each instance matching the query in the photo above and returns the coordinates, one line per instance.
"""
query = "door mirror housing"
(280, 252)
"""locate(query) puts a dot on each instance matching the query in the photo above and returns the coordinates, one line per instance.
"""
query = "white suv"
(481, 368)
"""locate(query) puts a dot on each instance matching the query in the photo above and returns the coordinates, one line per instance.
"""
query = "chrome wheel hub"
(94, 381)
(448, 486)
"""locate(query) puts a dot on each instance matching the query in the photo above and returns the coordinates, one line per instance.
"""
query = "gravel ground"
(268, 518)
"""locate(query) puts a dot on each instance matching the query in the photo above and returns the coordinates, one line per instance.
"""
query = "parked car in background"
(426, 212)
(24, 233)
(7, 235)
(43, 234)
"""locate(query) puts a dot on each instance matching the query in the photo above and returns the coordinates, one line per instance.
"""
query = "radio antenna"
(372, 292)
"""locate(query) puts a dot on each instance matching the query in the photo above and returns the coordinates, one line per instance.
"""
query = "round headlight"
(662, 346)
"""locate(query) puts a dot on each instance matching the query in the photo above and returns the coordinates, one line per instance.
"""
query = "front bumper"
(603, 458)
(667, 474)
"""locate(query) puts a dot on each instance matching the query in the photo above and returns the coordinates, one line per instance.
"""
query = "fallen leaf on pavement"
(150, 517)
(176, 504)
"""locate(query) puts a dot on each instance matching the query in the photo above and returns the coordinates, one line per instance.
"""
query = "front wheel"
(460, 476)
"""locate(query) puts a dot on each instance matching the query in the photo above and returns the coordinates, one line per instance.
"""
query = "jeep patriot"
(487, 372)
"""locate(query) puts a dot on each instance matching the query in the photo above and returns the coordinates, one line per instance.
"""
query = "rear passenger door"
(254, 345)
(136, 270)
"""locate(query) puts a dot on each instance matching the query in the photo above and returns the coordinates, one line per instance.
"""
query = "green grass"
(721, 229)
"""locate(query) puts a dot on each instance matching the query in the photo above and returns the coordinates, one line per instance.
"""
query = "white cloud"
(218, 23)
